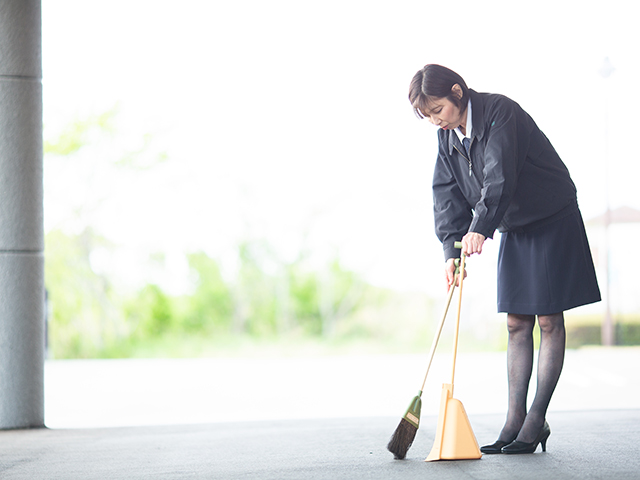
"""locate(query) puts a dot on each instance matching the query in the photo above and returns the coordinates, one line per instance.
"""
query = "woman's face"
(446, 115)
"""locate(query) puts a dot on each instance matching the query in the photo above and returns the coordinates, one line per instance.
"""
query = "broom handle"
(434, 344)
(455, 336)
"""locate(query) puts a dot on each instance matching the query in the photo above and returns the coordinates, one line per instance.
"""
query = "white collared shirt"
(469, 125)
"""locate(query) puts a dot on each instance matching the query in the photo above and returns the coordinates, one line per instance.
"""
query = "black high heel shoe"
(494, 447)
(523, 447)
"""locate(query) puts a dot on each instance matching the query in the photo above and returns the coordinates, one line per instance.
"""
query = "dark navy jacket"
(513, 179)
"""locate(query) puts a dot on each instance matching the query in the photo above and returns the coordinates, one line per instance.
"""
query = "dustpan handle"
(457, 327)
(436, 338)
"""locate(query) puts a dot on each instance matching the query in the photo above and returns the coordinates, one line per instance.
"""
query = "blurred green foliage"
(82, 312)
(93, 313)
(77, 134)
(91, 317)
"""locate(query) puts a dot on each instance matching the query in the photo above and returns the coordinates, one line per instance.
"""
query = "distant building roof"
(618, 215)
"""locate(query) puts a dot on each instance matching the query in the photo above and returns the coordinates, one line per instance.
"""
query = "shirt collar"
(469, 124)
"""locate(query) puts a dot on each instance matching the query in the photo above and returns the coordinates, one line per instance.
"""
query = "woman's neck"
(463, 121)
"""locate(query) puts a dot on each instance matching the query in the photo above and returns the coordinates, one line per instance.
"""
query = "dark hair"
(436, 81)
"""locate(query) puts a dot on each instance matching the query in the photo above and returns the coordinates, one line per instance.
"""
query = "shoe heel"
(543, 441)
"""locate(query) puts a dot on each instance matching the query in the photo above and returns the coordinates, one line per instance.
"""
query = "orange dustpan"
(454, 437)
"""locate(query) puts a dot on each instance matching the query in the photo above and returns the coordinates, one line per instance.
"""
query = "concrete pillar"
(21, 216)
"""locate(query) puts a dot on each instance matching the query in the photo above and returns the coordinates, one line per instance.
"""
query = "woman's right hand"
(450, 273)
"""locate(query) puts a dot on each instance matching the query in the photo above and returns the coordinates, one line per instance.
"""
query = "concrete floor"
(315, 417)
(583, 445)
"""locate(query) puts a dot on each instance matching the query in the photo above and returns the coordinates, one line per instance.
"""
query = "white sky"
(288, 120)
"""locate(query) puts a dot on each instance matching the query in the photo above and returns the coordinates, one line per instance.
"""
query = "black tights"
(521, 425)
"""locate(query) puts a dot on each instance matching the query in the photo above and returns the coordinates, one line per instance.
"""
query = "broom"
(404, 435)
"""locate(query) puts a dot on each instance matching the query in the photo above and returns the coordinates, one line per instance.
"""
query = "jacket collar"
(477, 114)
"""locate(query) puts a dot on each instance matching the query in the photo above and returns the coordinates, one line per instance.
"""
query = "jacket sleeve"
(451, 211)
(503, 160)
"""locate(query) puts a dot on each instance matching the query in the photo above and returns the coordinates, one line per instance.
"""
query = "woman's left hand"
(472, 243)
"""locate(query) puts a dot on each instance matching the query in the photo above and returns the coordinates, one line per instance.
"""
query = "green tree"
(341, 294)
(304, 291)
(150, 313)
(82, 312)
(86, 313)
(78, 133)
(210, 306)
(254, 292)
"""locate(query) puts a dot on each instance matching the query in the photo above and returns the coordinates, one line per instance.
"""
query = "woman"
(496, 170)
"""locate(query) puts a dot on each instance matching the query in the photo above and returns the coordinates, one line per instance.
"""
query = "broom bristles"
(402, 439)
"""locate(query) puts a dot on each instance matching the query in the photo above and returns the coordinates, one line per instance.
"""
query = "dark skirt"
(547, 270)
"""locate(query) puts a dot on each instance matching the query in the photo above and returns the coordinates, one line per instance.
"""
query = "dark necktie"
(467, 143)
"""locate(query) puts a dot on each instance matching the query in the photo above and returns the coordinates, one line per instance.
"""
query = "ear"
(456, 91)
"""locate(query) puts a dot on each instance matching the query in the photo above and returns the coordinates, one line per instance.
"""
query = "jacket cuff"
(450, 251)
(481, 227)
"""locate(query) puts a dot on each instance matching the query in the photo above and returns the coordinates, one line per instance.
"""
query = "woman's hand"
(472, 243)
(450, 273)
